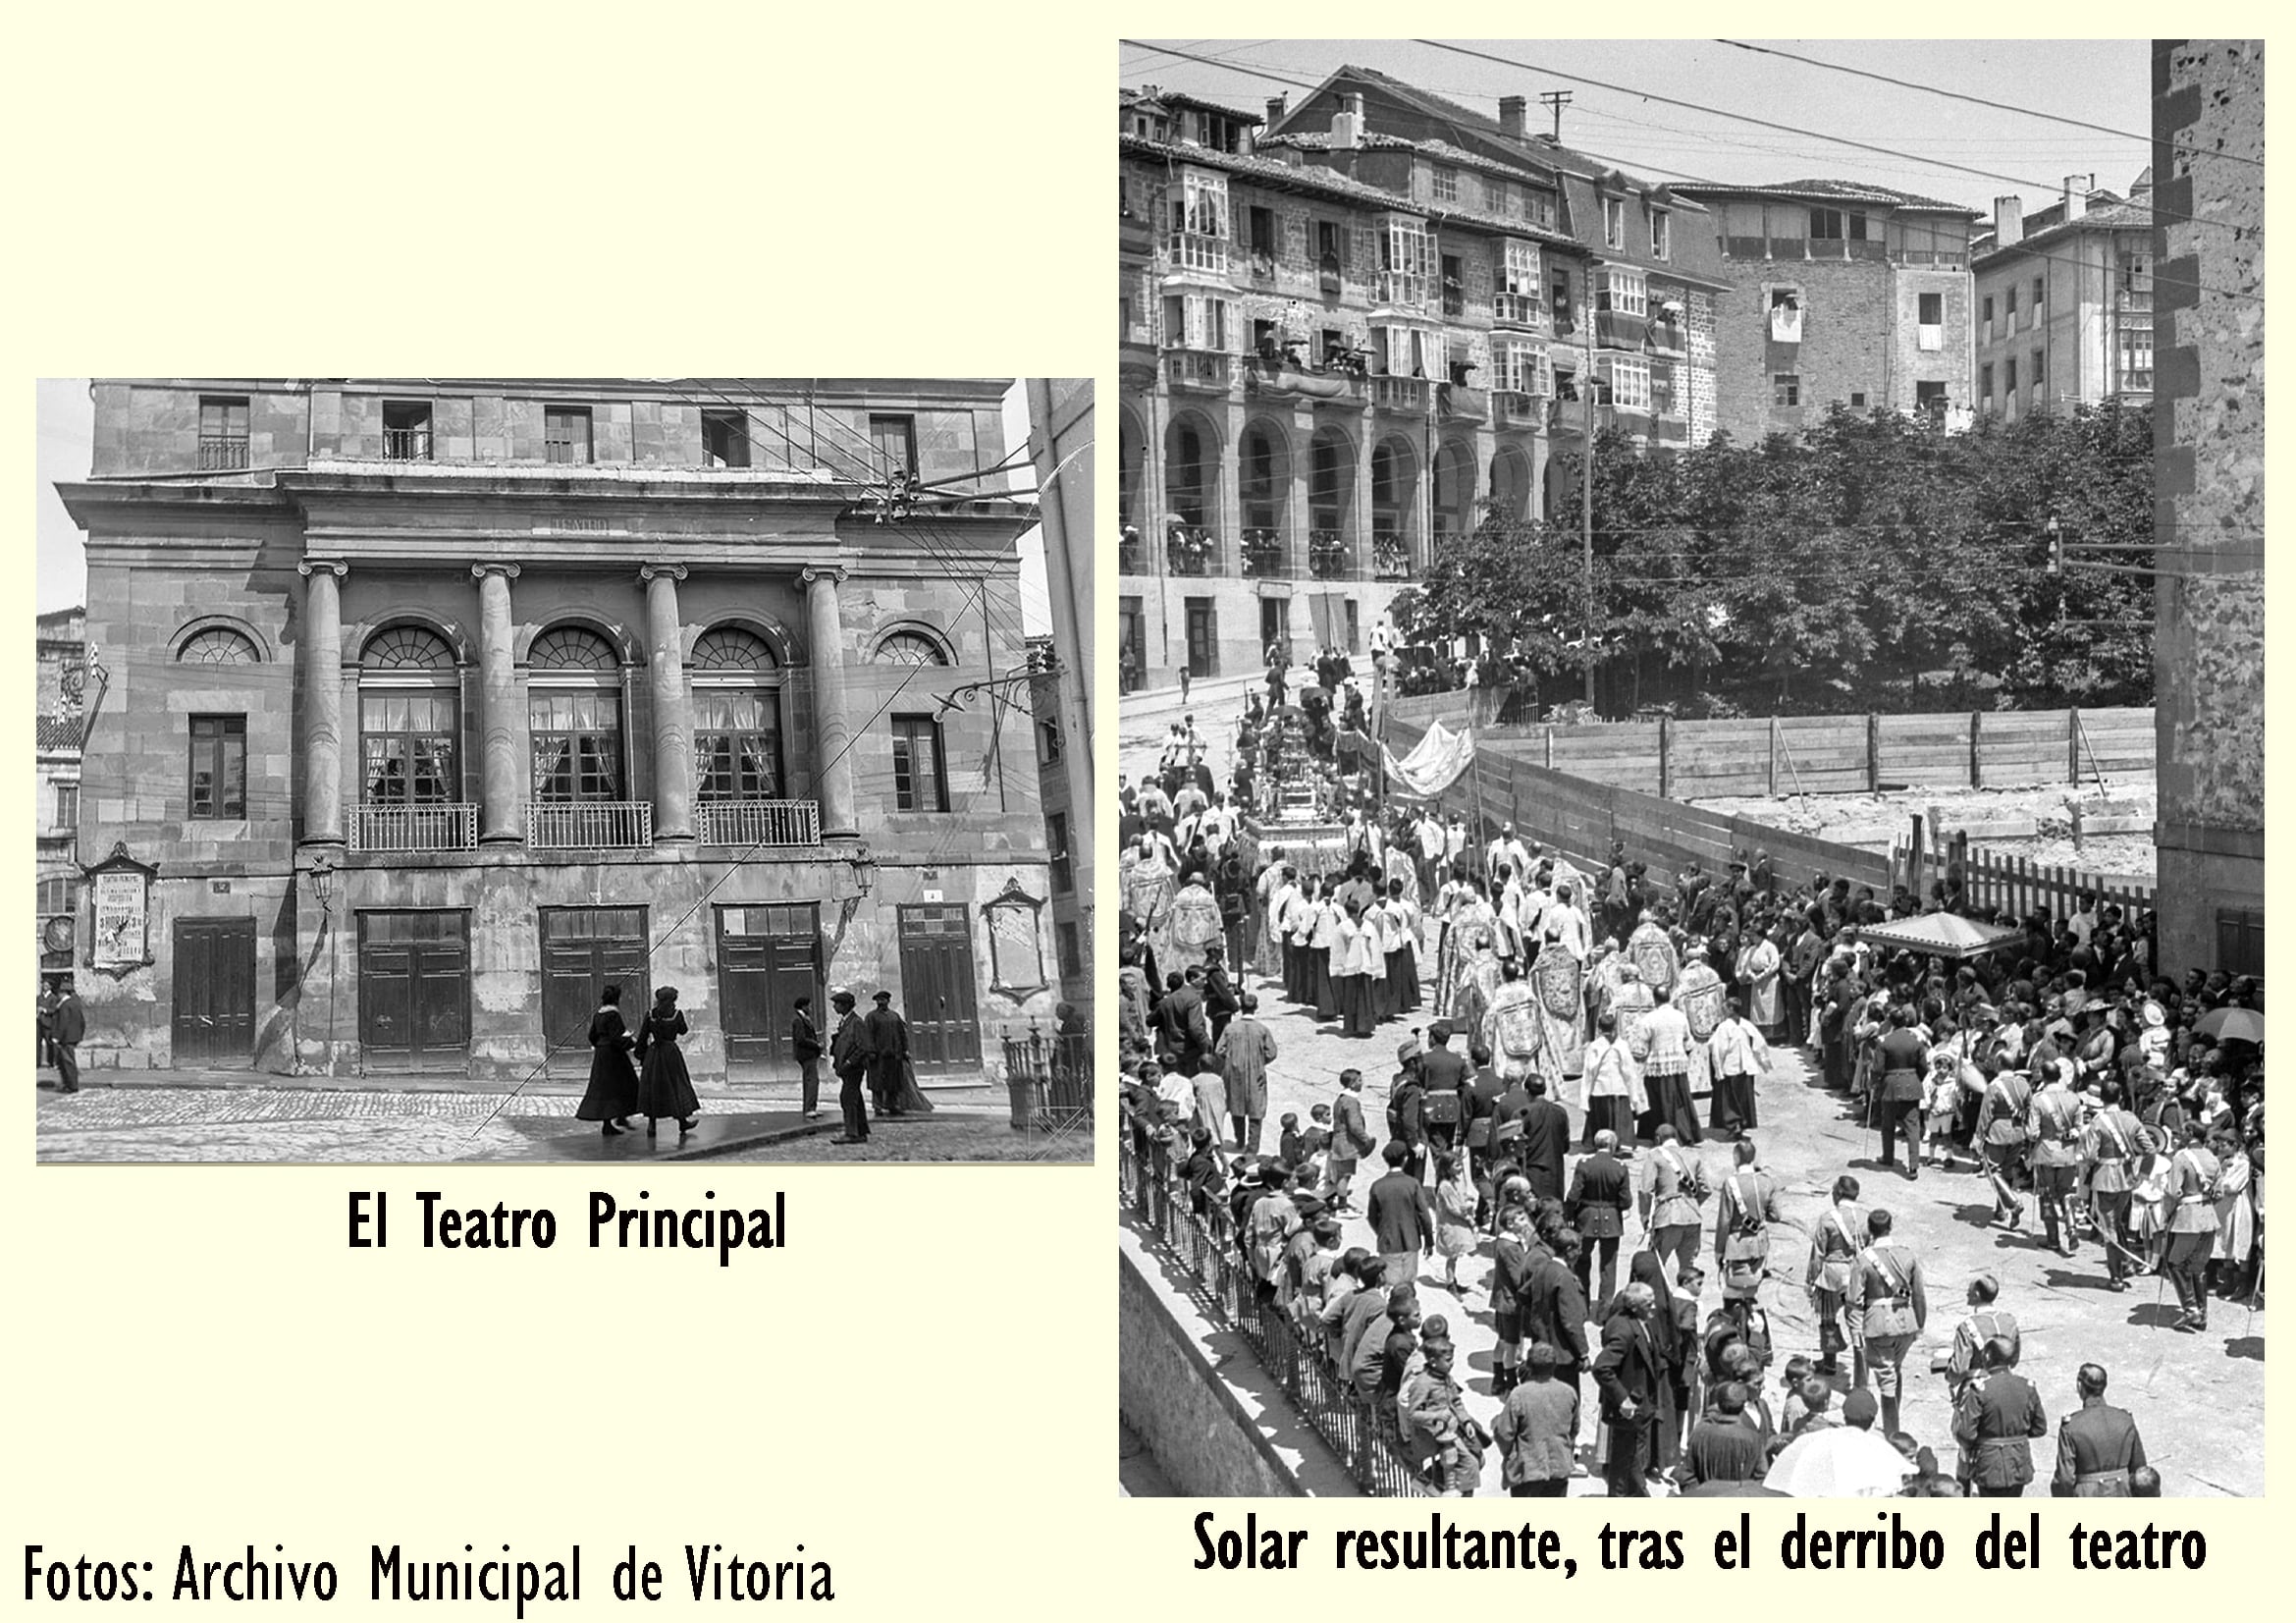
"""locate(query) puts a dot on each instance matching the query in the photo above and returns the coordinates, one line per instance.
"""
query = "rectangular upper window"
(1443, 181)
(219, 766)
(1614, 222)
(725, 438)
(1263, 225)
(222, 431)
(1785, 388)
(1063, 866)
(896, 442)
(1624, 290)
(1630, 384)
(566, 433)
(406, 431)
(920, 769)
(1658, 233)
(1826, 224)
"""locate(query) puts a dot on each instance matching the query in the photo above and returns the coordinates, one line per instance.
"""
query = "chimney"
(1275, 112)
(1347, 124)
(2008, 222)
(2076, 195)
(1510, 116)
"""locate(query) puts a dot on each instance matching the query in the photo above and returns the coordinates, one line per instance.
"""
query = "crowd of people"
(2100, 1102)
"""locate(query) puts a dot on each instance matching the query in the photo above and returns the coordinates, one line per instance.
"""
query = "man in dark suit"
(1181, 1027)
(888, 1048)
(1402, 1220)
(805, 1046)
(850, 1056)
(1445, 1070)
(1601, 1190)
(1998, 1423)
(67, 1025)
(1546, 1136)
(1557, 1308)
(1625, 1372)
(2097, 1449)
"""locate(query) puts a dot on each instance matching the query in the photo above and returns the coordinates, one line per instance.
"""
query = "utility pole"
(1063, 437)
(1557, 100)
(1586, 388)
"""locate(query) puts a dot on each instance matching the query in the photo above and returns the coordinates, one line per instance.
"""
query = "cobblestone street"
(2198, 1399)
(361, 1126)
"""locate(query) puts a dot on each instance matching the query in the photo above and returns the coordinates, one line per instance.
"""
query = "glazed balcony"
(1513, 408)
(1519, 310)
(1192, 251)
(1401, 397)
(1201, 372)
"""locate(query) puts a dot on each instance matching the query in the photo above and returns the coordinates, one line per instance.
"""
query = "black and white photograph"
(1690, 816)
(564, 770)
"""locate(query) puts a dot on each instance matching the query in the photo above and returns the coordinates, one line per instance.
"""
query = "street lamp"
(323, 883)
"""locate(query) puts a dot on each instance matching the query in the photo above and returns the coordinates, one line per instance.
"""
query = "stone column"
(673, 717)
(322, 701)
(503, 750)
(832, 737)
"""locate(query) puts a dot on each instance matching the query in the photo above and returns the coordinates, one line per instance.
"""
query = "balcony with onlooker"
(1193, 550)
(1391, 555)
(1327, 555)
(1263, 553)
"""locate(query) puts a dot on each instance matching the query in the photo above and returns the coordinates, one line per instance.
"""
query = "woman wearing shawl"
(2235, 1214)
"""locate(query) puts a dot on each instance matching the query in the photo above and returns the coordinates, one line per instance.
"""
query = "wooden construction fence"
(1816, 754)
(2017, 885)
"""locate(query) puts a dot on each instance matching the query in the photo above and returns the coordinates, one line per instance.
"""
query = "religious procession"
(1546, 1251)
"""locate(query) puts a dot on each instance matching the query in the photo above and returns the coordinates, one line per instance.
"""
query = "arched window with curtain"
(737, 717)
(574, 716)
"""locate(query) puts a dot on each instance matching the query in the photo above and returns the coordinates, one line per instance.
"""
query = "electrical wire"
(1688, 176)
(1981, 101)
(1793, 130)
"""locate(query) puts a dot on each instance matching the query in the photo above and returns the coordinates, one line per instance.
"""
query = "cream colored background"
(920, 1389)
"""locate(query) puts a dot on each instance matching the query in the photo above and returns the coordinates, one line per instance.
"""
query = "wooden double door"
(938, 997)
(414, 989)
(213, 979)
(584, 950)
(769, 956)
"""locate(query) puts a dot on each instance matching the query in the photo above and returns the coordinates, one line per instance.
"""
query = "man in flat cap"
(849, 1057)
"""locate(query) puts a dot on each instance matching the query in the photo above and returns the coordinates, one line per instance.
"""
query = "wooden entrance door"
(768, 957)
(936, 989)
(1131, 644)
(583, 950)
(1204, 637)
(414, 991)
(214, 991)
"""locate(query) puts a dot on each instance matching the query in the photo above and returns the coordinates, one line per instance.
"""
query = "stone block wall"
(2209, 478)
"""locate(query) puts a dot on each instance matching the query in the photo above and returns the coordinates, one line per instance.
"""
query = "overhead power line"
(1981, 101)
(1686, 176)
(1789, 129)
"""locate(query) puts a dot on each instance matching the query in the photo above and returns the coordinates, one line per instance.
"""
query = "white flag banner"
(1434, 762)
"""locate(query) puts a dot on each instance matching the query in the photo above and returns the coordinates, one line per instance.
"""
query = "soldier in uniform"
(1835, 1247)
(1985, 1322)
(2097, 1445)
(1997, 1422)
(1888, 1292)
(2111, 1145)
(2054, 1128)
(1601, 1190)
(1741, 1230)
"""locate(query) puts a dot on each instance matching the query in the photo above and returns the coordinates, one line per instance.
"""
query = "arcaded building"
(1353, 327)
(435, 705)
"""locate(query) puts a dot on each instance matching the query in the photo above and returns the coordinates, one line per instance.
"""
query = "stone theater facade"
(436, 704)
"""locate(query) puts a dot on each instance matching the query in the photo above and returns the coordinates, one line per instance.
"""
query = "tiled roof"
(1536, 151)
(1157, 96)
(58, 732)
(1848, 191)
(1320, 140)
(1272, 169)
(2135, 214)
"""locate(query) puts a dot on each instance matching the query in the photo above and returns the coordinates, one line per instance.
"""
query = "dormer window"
(1614, 222)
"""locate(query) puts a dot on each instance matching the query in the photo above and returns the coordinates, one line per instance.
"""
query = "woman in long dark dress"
(664, 1088)
(613, 1093)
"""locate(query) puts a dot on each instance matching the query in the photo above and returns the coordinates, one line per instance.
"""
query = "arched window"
(909, 648)
(737, 717)
(409, 713)
(574, 717)
(217, 645)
